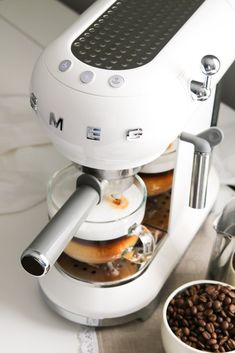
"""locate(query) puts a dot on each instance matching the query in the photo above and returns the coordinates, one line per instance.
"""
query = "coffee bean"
(210, 289)
(212, 318)
(212, 341)
(209, 305)
(223, 340)
(232, 294)
(206, 335)
(203, 298)
(226, 346)
(186, 331)
(231, 343)
(180, 302)
(188, 312)
(217, 305)
(208, 312)
(215, 347)
(210, 327)
(232, 308)
(224, 325)
(202, 323)
(180, 311)
(200, 345)
(215, 294)
(225, 290)
(221, 296)
(214, 335)
(179, 332)
(185, 322)
(226, 332)
(195, 298)
(227, 300)
(223, 313)
(194, 310)
(200, 307)
(200, 315)
(190, 302)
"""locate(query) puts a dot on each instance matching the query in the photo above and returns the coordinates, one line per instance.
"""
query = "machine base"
(142, 314)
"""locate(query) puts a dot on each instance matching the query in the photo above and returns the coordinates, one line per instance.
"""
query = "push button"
(65, 65)
(116, 81)
(87, 76)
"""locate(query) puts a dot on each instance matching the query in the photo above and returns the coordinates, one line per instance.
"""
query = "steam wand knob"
(201, 91)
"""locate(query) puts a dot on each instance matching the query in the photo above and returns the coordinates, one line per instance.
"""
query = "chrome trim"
(33, 102)
(111, 174)
(39, 258)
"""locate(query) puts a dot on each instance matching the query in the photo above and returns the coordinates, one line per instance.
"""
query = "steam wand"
(203, 145)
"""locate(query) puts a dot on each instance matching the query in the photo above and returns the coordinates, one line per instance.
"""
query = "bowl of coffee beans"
(200, 317)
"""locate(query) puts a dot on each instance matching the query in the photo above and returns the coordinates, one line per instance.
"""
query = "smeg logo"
(57, 123)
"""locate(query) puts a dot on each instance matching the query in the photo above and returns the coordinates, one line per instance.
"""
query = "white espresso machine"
(113, 92)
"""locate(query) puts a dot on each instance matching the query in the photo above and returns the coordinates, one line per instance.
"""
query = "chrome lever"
(201, 91)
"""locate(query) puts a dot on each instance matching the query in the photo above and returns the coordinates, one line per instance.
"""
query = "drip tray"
(117, 271)
(122, 270)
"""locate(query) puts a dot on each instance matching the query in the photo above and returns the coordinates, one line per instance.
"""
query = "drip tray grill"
(157, 212)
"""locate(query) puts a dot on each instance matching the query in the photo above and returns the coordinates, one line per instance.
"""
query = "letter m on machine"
(58, 124)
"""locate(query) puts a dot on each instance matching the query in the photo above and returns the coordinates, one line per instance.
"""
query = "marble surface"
(26, 323)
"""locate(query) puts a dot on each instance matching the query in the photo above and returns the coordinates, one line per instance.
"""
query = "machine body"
(113, 92)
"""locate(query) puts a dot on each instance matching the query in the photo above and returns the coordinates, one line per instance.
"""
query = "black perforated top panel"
(132, 32)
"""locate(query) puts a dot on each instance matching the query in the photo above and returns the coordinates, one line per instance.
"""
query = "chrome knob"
(210, 65)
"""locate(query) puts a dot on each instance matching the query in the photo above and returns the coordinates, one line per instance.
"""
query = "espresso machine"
(124, 82)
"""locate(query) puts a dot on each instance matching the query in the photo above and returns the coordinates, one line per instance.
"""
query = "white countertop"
(26, 323)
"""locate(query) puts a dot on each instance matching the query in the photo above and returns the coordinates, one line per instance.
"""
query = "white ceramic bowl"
(171, 343)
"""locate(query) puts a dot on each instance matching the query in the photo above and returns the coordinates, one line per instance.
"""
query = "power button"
(116, 81)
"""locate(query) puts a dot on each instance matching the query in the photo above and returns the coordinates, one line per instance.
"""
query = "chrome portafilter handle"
(44, 250)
